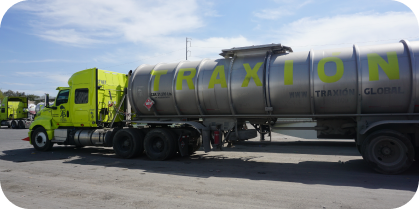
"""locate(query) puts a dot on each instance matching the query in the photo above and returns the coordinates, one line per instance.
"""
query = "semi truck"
(14, 112)
(366, 93)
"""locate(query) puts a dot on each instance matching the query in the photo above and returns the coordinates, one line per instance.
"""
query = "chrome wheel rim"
(40, 139)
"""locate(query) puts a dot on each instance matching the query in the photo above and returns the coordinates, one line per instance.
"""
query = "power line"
(141, 59)
(220, 47)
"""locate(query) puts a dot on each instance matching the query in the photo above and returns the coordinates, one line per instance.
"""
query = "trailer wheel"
(127, 143)
(159, 144)
(14, 124)
(21, 124)
(388, 151)
(40, 140)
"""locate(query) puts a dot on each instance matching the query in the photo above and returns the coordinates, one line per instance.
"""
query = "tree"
(11, 93)
(31, 97)
(1, 96)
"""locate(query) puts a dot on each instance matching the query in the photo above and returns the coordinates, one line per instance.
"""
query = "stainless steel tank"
(271, 79)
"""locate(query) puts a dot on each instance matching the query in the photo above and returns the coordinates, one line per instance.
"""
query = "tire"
(159, 144)
(40, 140)
(14, 124)
(388, 151)
(21, 124)
(358, 147)
(109, 137)
(127, 143)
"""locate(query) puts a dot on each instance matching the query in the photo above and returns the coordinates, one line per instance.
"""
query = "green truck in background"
(14, 112)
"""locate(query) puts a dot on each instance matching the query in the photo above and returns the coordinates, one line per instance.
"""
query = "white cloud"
(171, 50)
(82, 22)
(273, 14)
(49, 77)
(18, 84)
(345, 30)
(63, 79)
(35, 61)
(287, 8)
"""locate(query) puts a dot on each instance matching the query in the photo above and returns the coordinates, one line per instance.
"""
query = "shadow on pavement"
(354, 173)
(347, 148)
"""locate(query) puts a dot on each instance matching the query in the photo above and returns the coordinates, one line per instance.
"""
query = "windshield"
(62, 97)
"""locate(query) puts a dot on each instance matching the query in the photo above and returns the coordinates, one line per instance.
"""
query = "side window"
(62, 97)
(3, 110)
(81, 96)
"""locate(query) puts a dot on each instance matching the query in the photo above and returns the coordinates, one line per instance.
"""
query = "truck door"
(84, 115)
(61, 109)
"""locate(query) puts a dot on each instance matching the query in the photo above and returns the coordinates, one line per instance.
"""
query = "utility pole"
(187, 40)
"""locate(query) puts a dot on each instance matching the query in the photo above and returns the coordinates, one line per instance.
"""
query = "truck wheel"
(127, 143)
(388, 151)
(13, 124)
(40, 140)
(109, 137)
(159, 144)
(21, 124)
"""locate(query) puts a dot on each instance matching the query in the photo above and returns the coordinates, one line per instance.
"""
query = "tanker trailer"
(366, 93)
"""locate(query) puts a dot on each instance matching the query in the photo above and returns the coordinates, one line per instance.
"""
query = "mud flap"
(206, 134)
(183, 145)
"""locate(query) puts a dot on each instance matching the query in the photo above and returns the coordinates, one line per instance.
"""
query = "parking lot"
(288, 172)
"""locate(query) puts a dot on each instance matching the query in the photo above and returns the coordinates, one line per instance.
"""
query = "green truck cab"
(90, 103)
(13, 111)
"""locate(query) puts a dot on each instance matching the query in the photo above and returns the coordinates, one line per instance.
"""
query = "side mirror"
(46, 100)
(53, 107)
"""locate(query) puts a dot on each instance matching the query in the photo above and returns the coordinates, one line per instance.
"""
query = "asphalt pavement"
(288, 172)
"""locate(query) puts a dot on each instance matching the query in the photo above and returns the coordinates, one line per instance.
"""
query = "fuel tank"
(272, 79)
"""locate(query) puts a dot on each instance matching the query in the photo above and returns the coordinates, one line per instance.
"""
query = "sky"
(42, 43)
